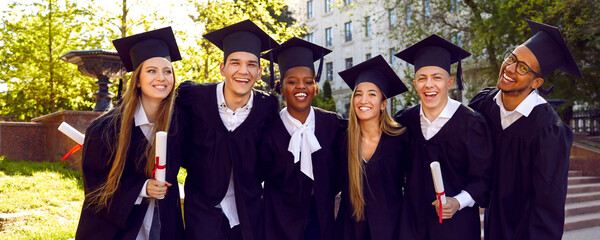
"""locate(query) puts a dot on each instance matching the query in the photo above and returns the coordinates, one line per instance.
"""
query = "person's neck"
(300, 115)
(512, 100)
(370, 129)
(151, 109)
(235, 101)
(433, 113)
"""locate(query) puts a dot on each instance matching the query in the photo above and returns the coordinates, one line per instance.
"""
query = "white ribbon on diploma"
(71, 132)
(160, 166)
(438, 184)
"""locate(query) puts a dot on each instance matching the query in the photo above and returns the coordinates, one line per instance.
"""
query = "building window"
(327, 6)
(368, 56)
(392, 18)
(367, 26)
(426, 10)
(348, 63)
(347, 2)
(408, 14)
(348, 31)
(309, 9)
(328, 38)
(392, 57)
(310, 37)
(329, 71)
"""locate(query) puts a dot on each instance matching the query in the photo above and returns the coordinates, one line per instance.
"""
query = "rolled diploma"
(71, 132)
(161, 154)
(438, 183)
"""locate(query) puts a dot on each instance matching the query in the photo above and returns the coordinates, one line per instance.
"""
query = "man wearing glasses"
(532, 144)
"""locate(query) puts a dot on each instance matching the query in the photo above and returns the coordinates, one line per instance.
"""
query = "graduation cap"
(377, 71)
(435, 51)
(550, 49)
(135, 49)
(296, 52)
(243, 36)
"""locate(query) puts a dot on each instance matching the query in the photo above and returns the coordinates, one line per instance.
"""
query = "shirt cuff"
(464, 199)
(143, 194)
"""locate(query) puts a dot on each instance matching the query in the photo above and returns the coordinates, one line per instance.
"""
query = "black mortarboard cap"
(297, 52)
(550, 49)
(136, 49)
(435, 51)
(377, 71)
(244, 36)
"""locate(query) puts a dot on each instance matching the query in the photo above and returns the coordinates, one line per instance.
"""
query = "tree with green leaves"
(324, 99)
(489, 28)
(38, 81)
(272, 16)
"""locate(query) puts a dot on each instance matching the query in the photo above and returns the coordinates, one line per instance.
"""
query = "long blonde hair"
(355, 163)
(121, 122)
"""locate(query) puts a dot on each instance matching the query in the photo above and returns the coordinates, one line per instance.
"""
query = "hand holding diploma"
(438, 184)
(448, 209)
(157, 189)
(160, 165)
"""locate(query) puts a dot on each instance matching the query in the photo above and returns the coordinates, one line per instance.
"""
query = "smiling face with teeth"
(241, 70)
(368, 101)
(515, 85)
(299, 88)
(156, 79)
(432, 84)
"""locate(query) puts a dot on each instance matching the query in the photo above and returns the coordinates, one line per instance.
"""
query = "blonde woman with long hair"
(376, 155)
(122, 200)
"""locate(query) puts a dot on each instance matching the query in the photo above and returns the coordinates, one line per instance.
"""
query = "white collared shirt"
(141, 121)
(231, 119)
(431, 128)
(303, 141)
(524, 108)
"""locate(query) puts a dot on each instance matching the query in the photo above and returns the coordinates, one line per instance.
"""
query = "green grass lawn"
(50, 191)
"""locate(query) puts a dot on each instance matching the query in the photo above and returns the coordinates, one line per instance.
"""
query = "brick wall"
(585, 159)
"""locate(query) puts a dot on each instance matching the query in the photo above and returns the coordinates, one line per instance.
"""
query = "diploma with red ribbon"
(438, 184)
(160, 166)
(74, 134)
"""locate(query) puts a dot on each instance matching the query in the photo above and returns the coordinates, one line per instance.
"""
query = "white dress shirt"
(524, 108)
(303, 141)
(231, 119)
(141, 120)
(431, 128)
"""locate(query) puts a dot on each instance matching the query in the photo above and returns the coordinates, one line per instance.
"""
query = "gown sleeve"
(480, 155)
(549, 179)
(476, 102)
(96, 154)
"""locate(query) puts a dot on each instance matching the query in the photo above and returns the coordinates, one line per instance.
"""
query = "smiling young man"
(215, 133)
(450, 133)
(532, 144)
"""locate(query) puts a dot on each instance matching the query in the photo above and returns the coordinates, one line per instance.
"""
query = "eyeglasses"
(522, 67)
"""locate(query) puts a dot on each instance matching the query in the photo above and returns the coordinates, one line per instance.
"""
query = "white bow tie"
(303, 142)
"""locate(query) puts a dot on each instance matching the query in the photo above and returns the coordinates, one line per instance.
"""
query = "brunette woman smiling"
(122, 198)
(299, 154)
(373, 175)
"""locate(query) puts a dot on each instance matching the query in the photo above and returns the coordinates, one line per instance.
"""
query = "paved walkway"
(592, 233)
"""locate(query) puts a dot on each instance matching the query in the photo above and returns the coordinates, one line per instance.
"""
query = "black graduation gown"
(210, 153)
(463, 147)
(287, 191)
(382, 186)
(123, 219)
(531, 165)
